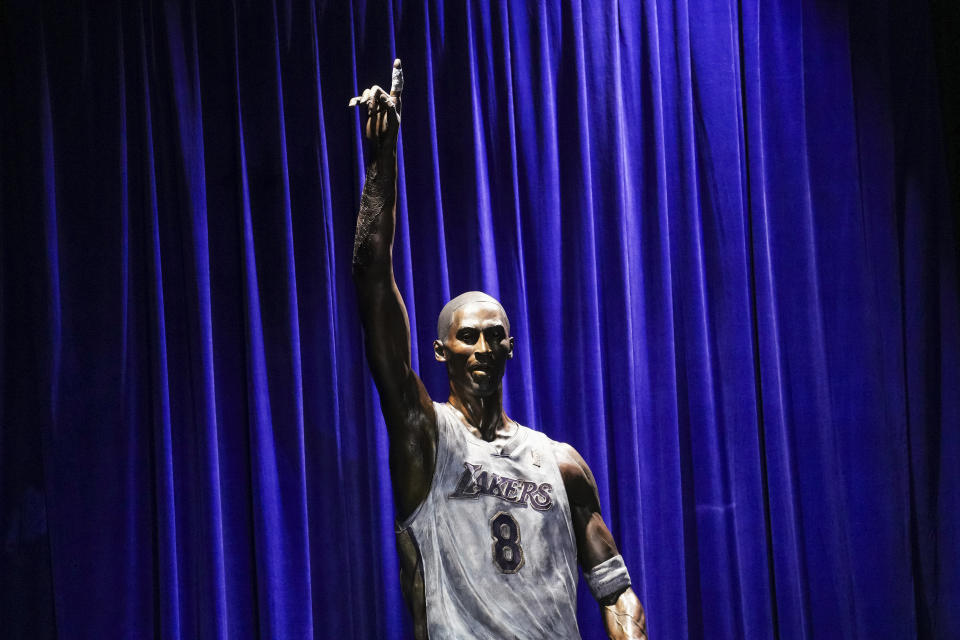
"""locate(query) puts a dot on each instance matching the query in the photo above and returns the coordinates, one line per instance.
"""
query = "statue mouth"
(481, 368)
(483, 375)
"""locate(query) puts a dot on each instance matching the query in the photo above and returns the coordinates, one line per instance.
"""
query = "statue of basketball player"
(492, 517)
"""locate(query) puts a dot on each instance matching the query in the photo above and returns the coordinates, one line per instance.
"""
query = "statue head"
(473, 340)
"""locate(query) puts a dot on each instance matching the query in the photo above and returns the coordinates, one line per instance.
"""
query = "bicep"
(386, 330)
(595, 543)
(407, 408)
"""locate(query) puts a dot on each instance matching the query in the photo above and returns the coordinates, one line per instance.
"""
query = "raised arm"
(407, 408)
(622, 613)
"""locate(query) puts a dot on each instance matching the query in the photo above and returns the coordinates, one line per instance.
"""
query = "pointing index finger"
(396, 83)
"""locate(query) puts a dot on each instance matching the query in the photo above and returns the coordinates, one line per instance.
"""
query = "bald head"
(449, 309)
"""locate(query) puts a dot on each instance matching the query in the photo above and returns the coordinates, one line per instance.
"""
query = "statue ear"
(510, 353)
(439, 352)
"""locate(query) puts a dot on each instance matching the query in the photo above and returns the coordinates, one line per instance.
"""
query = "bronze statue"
(492, 517)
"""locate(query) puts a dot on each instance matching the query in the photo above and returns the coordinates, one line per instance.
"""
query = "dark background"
(722, 231)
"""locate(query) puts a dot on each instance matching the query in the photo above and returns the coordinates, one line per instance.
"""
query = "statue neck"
(484, 415)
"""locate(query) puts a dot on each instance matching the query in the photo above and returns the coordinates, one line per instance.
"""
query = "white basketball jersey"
(495, 538)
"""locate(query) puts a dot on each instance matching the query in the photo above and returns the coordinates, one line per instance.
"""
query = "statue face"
(476, 348)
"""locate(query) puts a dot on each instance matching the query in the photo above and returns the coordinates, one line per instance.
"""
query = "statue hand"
(383, 116)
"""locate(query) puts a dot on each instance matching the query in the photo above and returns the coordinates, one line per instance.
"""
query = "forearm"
(373, 242)
(624, 617)
(382, 312)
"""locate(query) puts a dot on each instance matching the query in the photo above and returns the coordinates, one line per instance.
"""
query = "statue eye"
(468, 336)
(496, 334)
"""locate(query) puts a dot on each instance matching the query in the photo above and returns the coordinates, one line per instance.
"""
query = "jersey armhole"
(443, 456)
(566, 505)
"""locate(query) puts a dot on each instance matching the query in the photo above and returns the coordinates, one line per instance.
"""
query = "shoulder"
(577, 477)
(449, 435)
(569, 459)
(445, 416)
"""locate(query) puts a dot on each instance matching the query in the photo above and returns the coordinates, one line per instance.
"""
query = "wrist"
(381, 170)
(382, 161)
(608, 579)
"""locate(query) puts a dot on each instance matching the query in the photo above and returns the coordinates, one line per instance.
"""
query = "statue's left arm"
(623, 615)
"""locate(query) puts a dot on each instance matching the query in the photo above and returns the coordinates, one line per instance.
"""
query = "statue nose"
(483, 348)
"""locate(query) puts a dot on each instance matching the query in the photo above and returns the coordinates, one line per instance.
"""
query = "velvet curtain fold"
(721, 230)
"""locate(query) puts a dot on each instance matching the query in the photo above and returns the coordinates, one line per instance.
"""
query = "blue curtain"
(721, 229)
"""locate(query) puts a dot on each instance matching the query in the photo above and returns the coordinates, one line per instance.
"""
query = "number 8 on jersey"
(507, 552)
